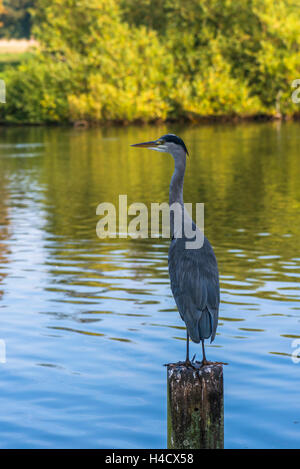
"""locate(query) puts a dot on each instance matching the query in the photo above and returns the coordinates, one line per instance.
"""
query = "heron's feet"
(190, 363)
(205, 363)
(195, 365)
(186, 363)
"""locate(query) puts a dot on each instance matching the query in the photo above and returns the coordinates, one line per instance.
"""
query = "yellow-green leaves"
(145, 60)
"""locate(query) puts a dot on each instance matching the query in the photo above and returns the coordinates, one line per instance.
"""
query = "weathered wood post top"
(195, 406)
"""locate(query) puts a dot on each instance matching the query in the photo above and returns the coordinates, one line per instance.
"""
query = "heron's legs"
(187, 347)
(188, 362)
(204, 361)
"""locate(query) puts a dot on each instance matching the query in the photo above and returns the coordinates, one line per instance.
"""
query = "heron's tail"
(205, 325)
(201, 327)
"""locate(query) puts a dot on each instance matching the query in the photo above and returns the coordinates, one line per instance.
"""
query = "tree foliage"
(15, 18)
(1, 12)
(143, 60)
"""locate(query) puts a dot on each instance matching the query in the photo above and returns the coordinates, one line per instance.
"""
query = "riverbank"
(193, 120)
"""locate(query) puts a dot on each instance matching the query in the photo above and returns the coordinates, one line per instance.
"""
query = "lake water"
(88, 324)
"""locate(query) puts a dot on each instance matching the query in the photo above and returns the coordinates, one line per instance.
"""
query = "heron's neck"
(176, 185)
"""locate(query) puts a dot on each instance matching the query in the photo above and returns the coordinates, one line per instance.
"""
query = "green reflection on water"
(247, 176)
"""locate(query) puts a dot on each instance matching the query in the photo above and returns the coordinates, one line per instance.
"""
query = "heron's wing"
(195, 285)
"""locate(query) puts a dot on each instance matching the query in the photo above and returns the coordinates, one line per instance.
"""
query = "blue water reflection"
(88, 324)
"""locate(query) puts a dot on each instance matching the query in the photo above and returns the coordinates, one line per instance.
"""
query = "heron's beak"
(157, 145)
(151, 145)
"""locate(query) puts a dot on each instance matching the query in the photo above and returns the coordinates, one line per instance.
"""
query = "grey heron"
(193, 272)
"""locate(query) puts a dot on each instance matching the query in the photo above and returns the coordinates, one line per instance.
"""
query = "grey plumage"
(193, 272)
(195, 287)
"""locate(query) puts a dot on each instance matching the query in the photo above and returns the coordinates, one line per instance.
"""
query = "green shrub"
(144, 60)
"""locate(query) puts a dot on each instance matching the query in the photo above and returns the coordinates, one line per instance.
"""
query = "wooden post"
(195, 406)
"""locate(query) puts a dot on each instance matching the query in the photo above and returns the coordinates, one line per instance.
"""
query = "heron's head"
(167, 144)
